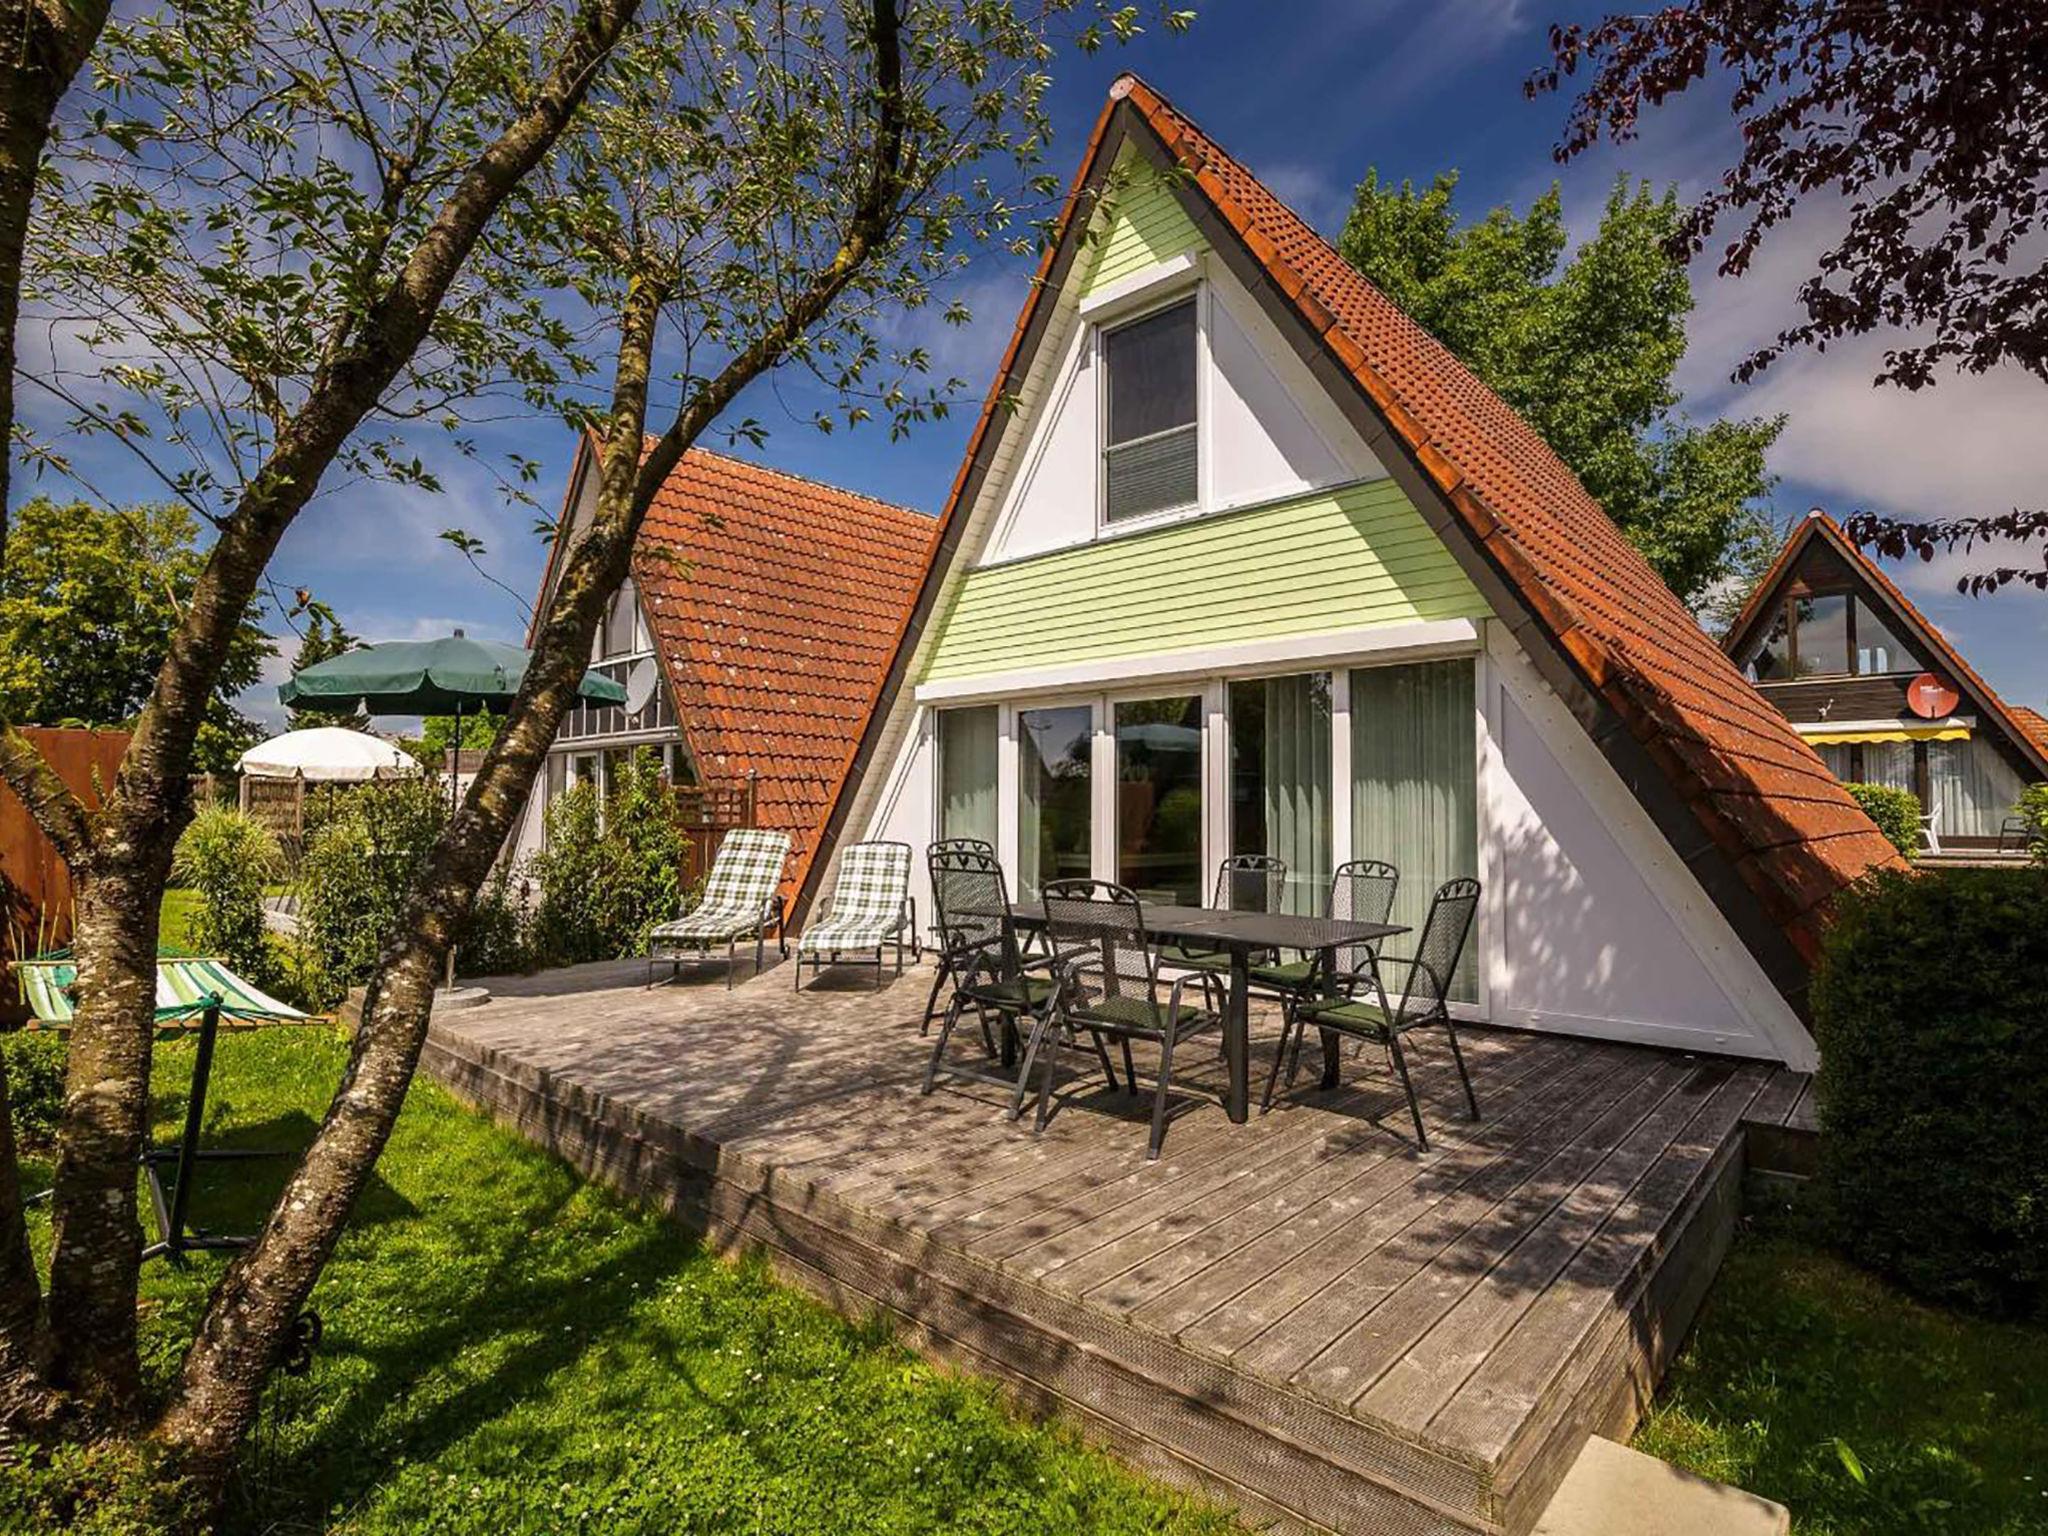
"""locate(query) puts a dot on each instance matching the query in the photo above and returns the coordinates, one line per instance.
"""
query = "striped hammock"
(184, 986)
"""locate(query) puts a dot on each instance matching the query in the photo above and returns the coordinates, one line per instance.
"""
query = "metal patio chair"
(742, 899)
(1355, 1002)
(932, 1006)
(1245, 882)
(979, 949)
(1109, 986)
(1361, 891)
(871, 907)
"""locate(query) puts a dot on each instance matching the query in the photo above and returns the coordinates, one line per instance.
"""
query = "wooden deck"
(1304, 1313)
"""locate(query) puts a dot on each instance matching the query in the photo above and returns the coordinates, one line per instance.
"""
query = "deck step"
(1614, 1491)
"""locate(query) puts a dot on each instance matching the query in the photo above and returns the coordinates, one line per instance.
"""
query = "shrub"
(362, 851)
(228, 858)
(2033, 805)
(1928, 1009)
(1896, 812)
(608, 873)
(35, 1084)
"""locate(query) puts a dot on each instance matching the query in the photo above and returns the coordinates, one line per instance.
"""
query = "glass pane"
(967, 773)
(1280, 780)
(1823, 637)
(1414, 789)
(1973, 786)
(1773, 660)
(1836, 756)
(1159, 799)
(1877, 648)
(1889, 763)
(1053, 810)
(619, 621)
(1150, 475)
(1151, 366)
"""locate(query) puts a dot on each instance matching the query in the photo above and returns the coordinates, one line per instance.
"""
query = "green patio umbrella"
(455, 676)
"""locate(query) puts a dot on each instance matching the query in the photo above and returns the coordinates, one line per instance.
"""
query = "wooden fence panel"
(35, 883)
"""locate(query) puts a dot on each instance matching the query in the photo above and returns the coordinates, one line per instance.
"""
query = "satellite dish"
(640, 684)
(1931, 697)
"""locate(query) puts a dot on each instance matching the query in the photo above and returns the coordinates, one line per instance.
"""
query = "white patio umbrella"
(327, 754)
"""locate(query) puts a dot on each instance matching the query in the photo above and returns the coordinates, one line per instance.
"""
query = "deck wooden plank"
(1243, 1274)
(1778, 1097)
(1805, 1115)
(1414, 1382)
(1494, 1400)
(1327, 1296)
(1242, 1210)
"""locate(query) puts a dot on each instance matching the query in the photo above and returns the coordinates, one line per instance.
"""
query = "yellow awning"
(1887, 733)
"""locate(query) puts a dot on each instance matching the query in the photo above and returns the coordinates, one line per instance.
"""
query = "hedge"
(1931, 1012)
(1896, 812)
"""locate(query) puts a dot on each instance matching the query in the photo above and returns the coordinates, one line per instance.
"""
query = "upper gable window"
(621, 633)
(1149, 453)
(1828, 635)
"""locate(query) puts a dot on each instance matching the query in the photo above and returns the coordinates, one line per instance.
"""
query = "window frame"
(1102, 327)
(1786, 611)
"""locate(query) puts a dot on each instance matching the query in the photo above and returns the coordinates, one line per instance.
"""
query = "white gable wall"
(1267, 431)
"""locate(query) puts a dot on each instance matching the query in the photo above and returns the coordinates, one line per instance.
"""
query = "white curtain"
(1889, 763)
(1280, 739)
(1974, 788)
(967, 773)
(1414, 788)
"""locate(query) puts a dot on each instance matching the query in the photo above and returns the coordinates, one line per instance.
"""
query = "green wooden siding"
(1147, 225)
(1342, 559)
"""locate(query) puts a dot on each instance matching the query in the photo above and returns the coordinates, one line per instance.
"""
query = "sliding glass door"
(1159, 799)
(1055, 808)
(1280, 770)
(1414, 788)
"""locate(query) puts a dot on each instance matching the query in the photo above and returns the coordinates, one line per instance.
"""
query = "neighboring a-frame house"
(1880, 693)
(752, 638)
(1240, 559)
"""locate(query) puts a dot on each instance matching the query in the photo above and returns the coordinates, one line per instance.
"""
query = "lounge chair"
(742, 899)
(871, 906)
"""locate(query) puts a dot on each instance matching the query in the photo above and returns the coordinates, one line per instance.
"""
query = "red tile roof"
(2033, 722)
(2009, 720)
(776, 616)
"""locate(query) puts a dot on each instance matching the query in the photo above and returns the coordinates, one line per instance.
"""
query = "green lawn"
(510, 1350)
(171, 917)
(1814, 1383)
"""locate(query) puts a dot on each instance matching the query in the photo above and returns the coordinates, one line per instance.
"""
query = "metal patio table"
(1243, 935)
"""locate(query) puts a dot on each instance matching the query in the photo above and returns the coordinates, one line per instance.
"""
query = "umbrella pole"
(454, 806)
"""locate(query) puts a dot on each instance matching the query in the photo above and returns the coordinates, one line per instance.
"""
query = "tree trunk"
(96, 1238)
(252, 1309)
(264, 1289)
(93, 1276)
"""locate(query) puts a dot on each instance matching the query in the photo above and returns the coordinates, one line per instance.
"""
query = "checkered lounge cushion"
(743, 882)
(870, 902)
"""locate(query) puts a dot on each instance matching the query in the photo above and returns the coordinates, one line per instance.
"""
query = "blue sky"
(1310, 93)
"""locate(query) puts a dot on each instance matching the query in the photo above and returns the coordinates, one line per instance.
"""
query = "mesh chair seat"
(1285, 975)
(1025, 992)
(1189, 959)
(1143, 1014)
